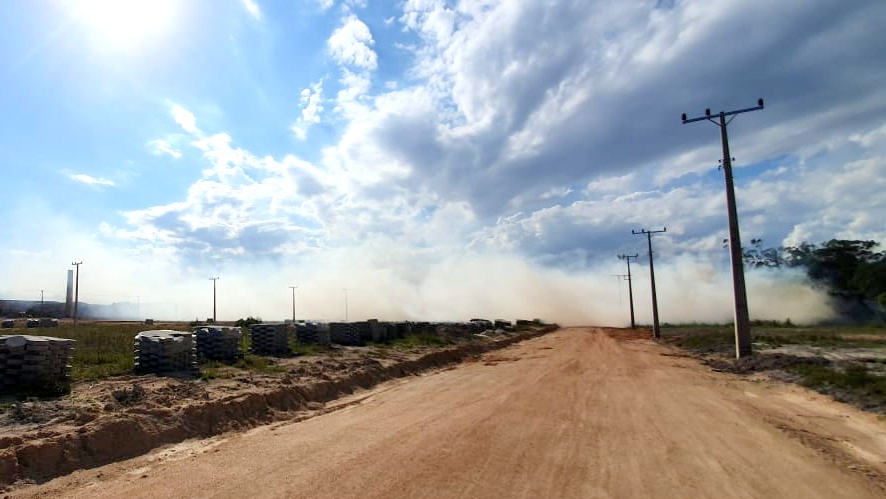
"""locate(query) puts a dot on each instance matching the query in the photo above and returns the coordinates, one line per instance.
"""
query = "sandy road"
(571, 414)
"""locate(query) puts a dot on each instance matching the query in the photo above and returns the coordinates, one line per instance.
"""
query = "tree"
(850, 270)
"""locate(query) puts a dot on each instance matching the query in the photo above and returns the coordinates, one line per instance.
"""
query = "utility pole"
(630, 290)
(742, 318)
(41, 303)
(76, 289)
(213, 279)
(656, 329)
(293, 288)
(346, 304)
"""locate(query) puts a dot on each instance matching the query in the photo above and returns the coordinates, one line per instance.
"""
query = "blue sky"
(439, 159)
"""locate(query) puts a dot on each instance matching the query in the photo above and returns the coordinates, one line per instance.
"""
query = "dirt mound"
(128, 416)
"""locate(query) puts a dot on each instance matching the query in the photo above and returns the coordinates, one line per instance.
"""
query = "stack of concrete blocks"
(218, 343)
(47, 322)
(423, 328)
(344, 333)
(364, 330)
(32, 323)
(164, 351)
(8, 323)
(379, 331)
(37, 364)
(269, 339)
(503, 324)
(401, 330)
(312, 333)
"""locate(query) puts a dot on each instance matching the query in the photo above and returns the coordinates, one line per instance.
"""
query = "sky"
(432, 159)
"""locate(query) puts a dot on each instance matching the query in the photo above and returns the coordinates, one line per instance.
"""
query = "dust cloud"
(458, 287)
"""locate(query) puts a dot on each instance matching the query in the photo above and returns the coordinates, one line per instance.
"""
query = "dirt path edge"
(132, 434)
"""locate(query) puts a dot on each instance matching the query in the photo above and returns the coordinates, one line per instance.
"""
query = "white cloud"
(252, 7)
(160, 147)
(539, 134)
(312, 106)
(91, 181)
(184, 118)
(351, 44)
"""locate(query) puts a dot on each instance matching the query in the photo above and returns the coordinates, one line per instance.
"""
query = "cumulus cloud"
(527, 139)
(351, 44)
(311, 108)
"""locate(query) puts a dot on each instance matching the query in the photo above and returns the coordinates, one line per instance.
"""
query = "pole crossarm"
(742, 318)
(710, 117)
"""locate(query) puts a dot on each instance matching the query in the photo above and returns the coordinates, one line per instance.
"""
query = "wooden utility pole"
(742, 318)
(627, 258)
(656, 329)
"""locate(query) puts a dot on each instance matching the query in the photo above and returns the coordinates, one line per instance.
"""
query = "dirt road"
(575, 413)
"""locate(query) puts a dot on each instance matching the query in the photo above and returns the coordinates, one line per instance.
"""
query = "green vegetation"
(852, 272)
(721, 338)
(420, 340)
(860, 382)
(852, 383)
(102, 350)
(258, 363)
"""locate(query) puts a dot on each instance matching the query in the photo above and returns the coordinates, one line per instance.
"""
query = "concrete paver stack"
(379, 330)
(218, 343)
(344, 333)
(269, 339)
(35, 364)
(312, 333)
(165, 351)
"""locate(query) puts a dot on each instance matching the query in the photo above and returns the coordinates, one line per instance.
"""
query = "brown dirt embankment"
(125, 417)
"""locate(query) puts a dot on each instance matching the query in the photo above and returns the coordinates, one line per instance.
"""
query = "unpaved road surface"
(576, 413)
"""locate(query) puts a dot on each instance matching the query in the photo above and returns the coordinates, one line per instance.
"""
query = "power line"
(213, 279)
(630, 286)
(742, 319)
(656, 329)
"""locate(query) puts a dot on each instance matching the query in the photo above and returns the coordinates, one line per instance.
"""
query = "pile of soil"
(123, 417)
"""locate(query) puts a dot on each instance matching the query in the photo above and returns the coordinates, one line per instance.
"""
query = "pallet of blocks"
(35, 364)
(312, 333)
(379, 330)
(269, 339)
(344, 333)
(364, 330)
(8, 323)
(220, 343)
(165, 351)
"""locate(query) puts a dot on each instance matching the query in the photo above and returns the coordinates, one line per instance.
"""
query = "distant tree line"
(852, 272)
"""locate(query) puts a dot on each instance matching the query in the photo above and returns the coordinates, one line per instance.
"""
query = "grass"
(419, 340)
(716, 338)
(853, 383)
(102, 349)
(862, 384)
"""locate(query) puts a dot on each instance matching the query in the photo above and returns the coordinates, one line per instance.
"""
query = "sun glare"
(125, 22)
